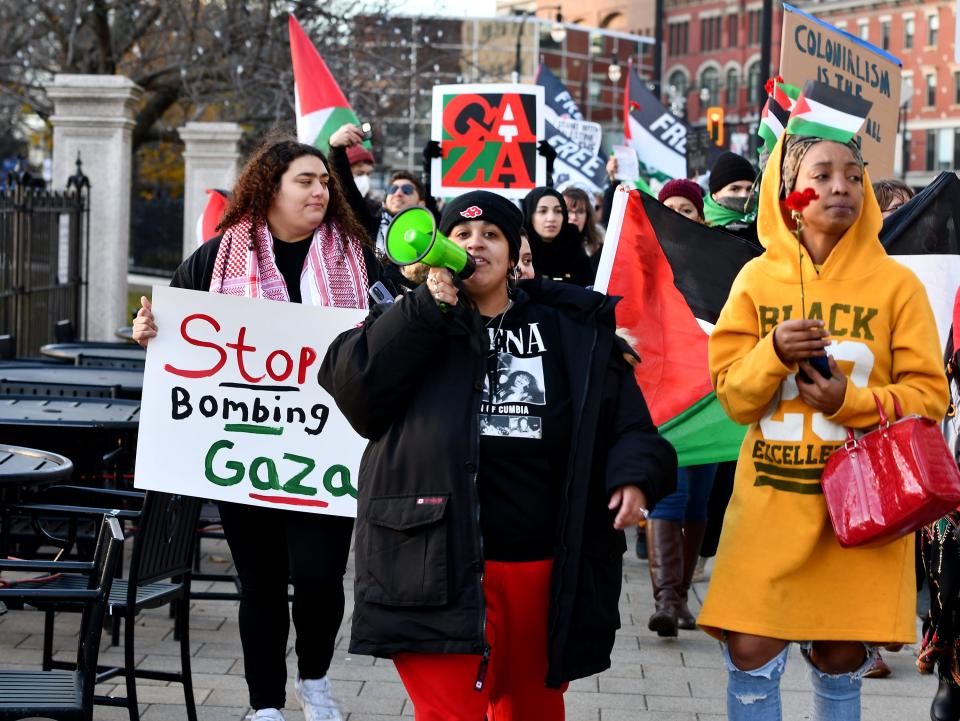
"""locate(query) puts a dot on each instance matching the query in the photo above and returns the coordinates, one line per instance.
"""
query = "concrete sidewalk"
(679, 679)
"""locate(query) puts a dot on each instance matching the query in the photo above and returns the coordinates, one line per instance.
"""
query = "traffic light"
(715, 124)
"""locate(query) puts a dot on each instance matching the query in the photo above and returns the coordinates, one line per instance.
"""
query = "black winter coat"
(410, 380)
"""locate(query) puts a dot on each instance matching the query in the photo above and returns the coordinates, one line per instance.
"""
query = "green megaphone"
(412, 237)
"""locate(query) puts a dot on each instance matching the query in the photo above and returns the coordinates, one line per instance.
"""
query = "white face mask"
(363, 183)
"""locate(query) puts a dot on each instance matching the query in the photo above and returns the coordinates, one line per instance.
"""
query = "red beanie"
(685, 189)
(359, 154)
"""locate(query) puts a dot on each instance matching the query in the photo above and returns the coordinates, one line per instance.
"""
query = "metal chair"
(99, 361)
(160, 573)
(64, 695)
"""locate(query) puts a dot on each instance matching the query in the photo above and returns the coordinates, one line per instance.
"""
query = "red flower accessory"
(796, 202)
(770, 82)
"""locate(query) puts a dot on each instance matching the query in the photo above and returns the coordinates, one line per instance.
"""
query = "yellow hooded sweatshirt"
(779, 570)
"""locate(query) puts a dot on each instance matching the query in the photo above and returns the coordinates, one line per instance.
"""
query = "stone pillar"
(210, 159)
(93, 115)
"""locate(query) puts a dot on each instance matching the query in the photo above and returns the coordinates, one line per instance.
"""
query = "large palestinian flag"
(674, 276)
(659, 138)
(320, 104)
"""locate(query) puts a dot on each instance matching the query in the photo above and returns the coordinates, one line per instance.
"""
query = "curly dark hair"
(259, 182)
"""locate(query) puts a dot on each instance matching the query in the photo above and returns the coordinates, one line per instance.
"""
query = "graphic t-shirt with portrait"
(524, 436)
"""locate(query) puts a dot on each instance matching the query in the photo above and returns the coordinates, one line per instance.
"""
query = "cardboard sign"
(812, 49)
(488, 135)
(232, 409)
(584, 133)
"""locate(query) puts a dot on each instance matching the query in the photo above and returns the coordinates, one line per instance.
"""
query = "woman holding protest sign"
(489, 544)
(780, 574)
(288, 235)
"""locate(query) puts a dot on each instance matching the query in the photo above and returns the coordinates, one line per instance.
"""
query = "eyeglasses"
(406, 189)
(577, 211)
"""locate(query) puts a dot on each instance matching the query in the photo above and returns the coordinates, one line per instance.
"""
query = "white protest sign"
(232, 409)
(584, 133)
(628, 167)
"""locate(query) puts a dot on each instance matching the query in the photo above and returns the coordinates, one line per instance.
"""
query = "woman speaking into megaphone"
(489, 531)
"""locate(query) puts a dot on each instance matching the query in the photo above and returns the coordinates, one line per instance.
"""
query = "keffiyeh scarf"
(334, 274)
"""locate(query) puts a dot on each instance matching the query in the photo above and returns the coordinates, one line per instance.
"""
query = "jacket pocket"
(598, 593)
(406, 562)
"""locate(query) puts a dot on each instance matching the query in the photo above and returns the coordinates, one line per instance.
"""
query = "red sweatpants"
(441, 686)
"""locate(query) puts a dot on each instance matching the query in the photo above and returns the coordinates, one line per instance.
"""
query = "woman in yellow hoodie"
(829, 290)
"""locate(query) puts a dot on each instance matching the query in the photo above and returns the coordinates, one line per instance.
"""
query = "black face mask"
(740, 205)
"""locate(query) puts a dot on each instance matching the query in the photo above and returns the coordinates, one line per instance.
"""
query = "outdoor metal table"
(98, 434)
(130, 381)
(115, 351)
(22, 468)
(28, 466)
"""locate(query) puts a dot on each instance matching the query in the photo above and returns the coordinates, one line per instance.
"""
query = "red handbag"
(891, 481)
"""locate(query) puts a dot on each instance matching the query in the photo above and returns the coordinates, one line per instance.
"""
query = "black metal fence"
(43, 236)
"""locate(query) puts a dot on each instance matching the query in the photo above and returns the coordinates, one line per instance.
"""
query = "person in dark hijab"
(557, 249)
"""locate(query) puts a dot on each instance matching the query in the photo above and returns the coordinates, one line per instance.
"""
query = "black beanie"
(729, 168)
(484, 205)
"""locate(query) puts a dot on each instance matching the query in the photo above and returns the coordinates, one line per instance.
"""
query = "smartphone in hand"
(367, 130)
(821, 364)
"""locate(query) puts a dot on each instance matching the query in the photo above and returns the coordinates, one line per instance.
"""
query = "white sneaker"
(316, 699)
(267, 714)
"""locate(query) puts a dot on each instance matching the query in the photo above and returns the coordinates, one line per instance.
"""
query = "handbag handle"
(884, 420)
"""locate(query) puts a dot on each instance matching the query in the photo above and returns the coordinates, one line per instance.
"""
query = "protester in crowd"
(891, 195)
(525, 269)
(780, 575)
(404, 190)
(728, 204)
(284, 205)
(940, 649)
(463, 600)
(555, 242)
(684, 197)
(580, 214)
(361, 166)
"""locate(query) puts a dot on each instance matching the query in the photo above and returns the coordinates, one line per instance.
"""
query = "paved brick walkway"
(651, 678)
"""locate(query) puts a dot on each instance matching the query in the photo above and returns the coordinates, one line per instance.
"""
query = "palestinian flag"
(826, 112)
(320, 104)
(776, 113)
(674, 276)
(924, 235)
(217, 202)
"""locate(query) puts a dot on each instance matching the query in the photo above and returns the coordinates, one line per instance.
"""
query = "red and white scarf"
(334, 274)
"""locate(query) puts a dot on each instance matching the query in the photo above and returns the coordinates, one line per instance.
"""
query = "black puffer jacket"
(410, 380)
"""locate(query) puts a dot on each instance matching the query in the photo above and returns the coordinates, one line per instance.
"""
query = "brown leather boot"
(665, 559)
(692, 538)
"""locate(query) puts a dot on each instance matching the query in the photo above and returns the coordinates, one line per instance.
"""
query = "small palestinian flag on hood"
(674, 276)
(776, 113)
(320, 104)
(826, 112)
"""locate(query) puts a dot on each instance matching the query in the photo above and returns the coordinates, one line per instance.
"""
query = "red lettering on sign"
(203, 344)
(286, 359)
(307, 356)
(240, 347)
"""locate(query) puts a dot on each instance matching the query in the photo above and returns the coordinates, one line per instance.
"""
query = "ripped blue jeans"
(755, 695)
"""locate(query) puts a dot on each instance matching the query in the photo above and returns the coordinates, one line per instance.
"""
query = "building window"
(733, 30)
(753, 27)
(710, 33)
(677, 43)
(864, 29)
(933, 30)
(931, 85)
(885, 34)
(956, 89)
(956, 148)
(945, 148)
(710, 80)
(753, 84)
(733, 88)
(909, 28)
(931, 150)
